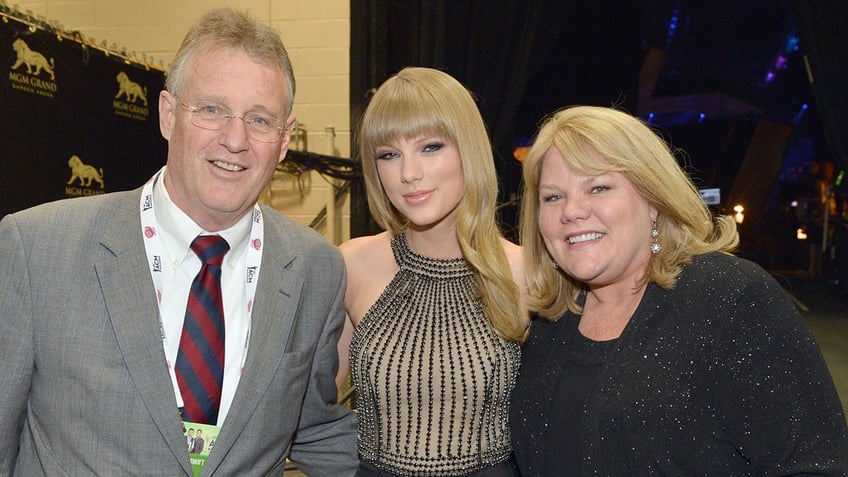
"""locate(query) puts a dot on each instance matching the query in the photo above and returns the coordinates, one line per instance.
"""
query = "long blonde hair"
(426, 101)
(686, 226)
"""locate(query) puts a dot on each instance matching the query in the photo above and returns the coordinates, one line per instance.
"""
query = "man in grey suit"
(93, 294)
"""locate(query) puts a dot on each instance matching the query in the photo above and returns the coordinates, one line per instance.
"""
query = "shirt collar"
(178, 230)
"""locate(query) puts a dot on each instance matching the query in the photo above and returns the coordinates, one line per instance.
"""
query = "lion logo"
(131, 90)
(85, 173)
(33, 60)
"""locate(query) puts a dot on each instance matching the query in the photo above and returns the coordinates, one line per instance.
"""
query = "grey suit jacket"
(84, 387)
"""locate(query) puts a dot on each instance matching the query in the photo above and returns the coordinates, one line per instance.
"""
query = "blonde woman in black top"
(657, 351)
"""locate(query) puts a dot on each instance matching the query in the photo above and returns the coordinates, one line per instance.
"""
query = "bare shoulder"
(515, 257)
(370, 267)
(364, 248)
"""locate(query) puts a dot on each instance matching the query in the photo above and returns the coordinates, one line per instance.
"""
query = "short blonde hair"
(420, 101)
(629, 146)
(226, 28)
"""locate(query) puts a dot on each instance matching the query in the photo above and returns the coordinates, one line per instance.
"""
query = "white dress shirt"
(179, 267)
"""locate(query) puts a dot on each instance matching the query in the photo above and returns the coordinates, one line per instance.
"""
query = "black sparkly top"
(433, 379)
(718, 376)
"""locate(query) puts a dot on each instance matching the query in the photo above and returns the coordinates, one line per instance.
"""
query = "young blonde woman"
(434, 299)
(657, 351)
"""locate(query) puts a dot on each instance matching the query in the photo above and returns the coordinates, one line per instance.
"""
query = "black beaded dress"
(433, 379)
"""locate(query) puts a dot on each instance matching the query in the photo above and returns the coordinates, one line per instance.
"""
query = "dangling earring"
(655, 246)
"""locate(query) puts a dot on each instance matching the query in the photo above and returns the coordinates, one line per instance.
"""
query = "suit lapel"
(275, 303)
(130, 299)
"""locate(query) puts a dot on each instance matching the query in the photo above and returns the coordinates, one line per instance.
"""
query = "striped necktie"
(200, 360)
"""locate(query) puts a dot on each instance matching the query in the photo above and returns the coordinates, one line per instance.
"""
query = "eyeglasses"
(213, 118)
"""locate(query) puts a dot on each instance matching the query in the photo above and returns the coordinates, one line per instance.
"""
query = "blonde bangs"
(401, 112)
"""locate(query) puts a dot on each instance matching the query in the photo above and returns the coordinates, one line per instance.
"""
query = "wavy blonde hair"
(418, 101)
(686, 226)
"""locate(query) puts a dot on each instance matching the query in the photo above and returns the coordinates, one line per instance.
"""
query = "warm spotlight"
(738, 215)
(520, 153)
(801, 234)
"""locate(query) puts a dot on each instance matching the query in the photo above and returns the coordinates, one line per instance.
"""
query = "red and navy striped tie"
(200, 360)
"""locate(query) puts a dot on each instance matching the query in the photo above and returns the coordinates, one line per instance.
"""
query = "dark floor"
(824, 305)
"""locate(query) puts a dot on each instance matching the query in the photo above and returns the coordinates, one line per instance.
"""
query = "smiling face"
(215, 177)
(596, 227)
(422, 178)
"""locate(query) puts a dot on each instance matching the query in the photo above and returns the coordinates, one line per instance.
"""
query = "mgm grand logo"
(32, 71)
(131, 99)
(90, 179)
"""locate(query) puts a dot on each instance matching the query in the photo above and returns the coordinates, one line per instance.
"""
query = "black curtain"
(821, 25)
(494, 47)
(824, 38)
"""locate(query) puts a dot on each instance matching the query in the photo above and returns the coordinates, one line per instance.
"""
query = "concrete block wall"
(317, 36)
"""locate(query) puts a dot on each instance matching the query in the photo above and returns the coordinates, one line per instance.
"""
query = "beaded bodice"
(433, 379)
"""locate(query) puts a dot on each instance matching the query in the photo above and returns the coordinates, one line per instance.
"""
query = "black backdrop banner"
(75, 120)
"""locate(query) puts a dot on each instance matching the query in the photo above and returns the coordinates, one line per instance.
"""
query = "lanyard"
(155, 249)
